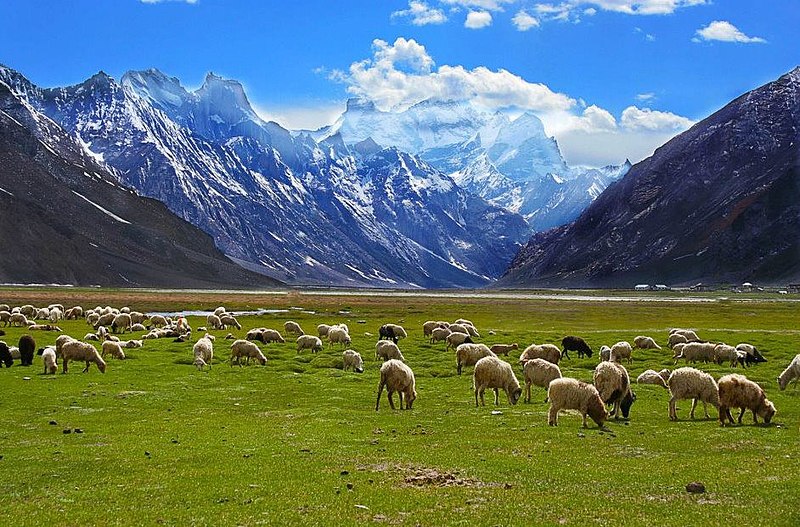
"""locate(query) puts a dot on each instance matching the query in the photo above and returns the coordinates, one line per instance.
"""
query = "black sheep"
(572, 343)
(27, 346)
(5, 355)
(387, 333)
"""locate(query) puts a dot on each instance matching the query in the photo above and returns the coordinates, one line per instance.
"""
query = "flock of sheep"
(610, 386)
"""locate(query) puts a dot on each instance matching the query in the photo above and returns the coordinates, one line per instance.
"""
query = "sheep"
(105, 320)
(203, 351)
(322, 330)
(469, 354)
(351, 360)
(724, 352)
(5, 316)
(688, 334)
(220, 310)
(214, 322)
(121, 322)
(102, 332)
(55, 315)
(464, 321)
(645, 343)
(654, 377)
(229, 320)
(5, 307)
(293, 328)
(572, 343)
(439, 334)
(61, 340)
(614, 386)
(92, 318)
(5, 355)
(27, 347)
(338, 335)
(244, 348)
(691, 383)
(18, 319)
(264, 335)
(49, 360)
(737, 391)
(391, 332)
(541, 373)
(41, 314)
(471, 330)
(503, 349)
(676, 338)
(27, 310)
(81, 351)
(158, 321)
(753, 355)
(571, 394)
(114, 349)
(397, 377)
(792, 372)
(130, 344)
(44, 327)
(430, 325)
(309, 342)
(491, 372)
(137, 317)
(455, 339)
(548, 352)
(459, 328)
(230, 336)
(605, 353)
(695, 351)
(387, 350)
(137, 327)
(621, 350)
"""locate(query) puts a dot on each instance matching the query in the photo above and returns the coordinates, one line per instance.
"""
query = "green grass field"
(298, 441)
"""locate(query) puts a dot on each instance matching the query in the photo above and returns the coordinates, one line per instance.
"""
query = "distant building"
(661, 287)
(793, 288)
(642, 287)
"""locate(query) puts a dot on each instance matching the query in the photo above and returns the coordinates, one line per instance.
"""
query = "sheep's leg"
(673, 414)
(527, 392)
(65, 361)
(585, 425)
(458, 368)
(400, 395)
(565, 354)
(552, 416)
(705, 410)
(87, 367)
(694, 405)
(741, 414)
(482, 390)
(380, 391)
(755, 417)
(496, 397)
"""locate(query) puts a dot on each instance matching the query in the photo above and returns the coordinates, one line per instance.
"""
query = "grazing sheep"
(338, 335)
(309, 342)
(293, 328)
(5, 307)
(455, 339)
(621, 350)
(61, 340)
(430, 325)
(114, 349)
(229, 320)
(351, 360)
(469, 354)
(49, 360)
(737, 391)
(391, 332)
(541, 373)
(645, 343)
(81, 351)
(5, 355)
(397, 377)
(688, 334)
(503, 349)
(27, 310)
(158, 321)
(182, 326)
(459, 328)
(471, 330)
(691, 383)
(18, 319)
(203, 351)
(105, 320)
(792, 372)
(464, 321)
(614, 386)
(548, 352)
(571, 394)
(724, 352)
(491, 372)
(572, 343)
(676, 338)
(102, 332)
(244, 348)
(42, 314)
(265, 335)
(605, 353)
(220, 310)
(55, 315)
(654, 377)
(5, 316)
(92, 318)
(439, 334)
(130, 344)
(121, 322)
(27, 348)
(387, 350)
(753, 355)
(214, 322)
(137, 317)
(322, 330)
(230, 336)
(694, 352)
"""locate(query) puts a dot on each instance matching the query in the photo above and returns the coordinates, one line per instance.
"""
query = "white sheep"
(621, 350)
(688, 334)
(228, 320)
(121, 322)
(18, 319)
(392, 332)
(49, 360)
(5, 315)
(464, 321)
(539, 372)
(737, 391)
(724, 352)
(455, 339)
(571, 394)
(338, 335)
(92, 318)
(387, 350)
(220, 310)
(695, 351)
(351, 360)
(397, 377)
(293, 328)
(676, 338)
(81, 351)
(114, 349)
(459, 328)
(605, 353)
(322, 330)
(491, 372)
(131, 344)
(548, 352)
(691, 383)
(213, 321)
(654, 377)
(792, 372)
(244, 348)
(138, 327)
(63, 339)
(469, 355)
(439, 334)
(203, 351)
(503, 349)
(270, 335)
(614, 386)
(430, 325)
(309, 342)
(645, 343)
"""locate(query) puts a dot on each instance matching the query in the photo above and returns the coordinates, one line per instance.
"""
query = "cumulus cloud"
(634, 118)
(724, 31)
(486, 5)
(478, 20)
(523, 21)
(572, 10)
(421, 14)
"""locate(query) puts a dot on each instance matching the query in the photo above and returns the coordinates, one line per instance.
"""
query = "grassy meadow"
(298, 441)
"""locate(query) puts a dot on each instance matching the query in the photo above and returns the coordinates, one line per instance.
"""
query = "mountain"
(297, 209)
(718, 203)
(511, 163)
(67, 220)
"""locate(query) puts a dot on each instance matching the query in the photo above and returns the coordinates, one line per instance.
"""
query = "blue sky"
(610, 78)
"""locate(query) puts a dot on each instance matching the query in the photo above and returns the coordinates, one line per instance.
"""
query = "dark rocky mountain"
(718, 203)
(66, 220)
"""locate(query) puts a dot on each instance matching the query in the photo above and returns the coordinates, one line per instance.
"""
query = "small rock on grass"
(695, 487)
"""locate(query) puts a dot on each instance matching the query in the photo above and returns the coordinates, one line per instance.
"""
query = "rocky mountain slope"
(718, 203)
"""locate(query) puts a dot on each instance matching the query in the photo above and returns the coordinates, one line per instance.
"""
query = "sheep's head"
(597, 410)
(262, 360)
(782, 383)
(767, 411)
(199, 363)
(626, 404)
(101, 365)
(514, 395)
(410, 398)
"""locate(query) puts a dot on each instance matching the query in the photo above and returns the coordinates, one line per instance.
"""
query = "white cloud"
(421, 14)
(478, 20)
(724, 31)
(649, 96)
(645, 119)
(563, 10)
(307, 117)
(590, 11)
(488, 5)
(523, 21)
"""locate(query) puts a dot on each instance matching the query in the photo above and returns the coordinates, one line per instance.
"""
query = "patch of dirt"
(430, 477)
(130, 393)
